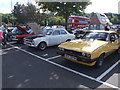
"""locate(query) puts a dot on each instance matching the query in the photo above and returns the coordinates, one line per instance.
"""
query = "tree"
(30, 12)
(64, 9)
(25, 13)
(118, 16)
(114, 18)
(17, 12)
(7, 18)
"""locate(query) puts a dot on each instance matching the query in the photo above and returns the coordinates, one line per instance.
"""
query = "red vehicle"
(78, 22)
(19, 37)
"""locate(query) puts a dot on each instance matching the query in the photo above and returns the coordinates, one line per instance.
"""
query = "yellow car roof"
(102, 31)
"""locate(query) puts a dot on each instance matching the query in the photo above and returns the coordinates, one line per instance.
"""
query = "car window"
(47, 31)
(112, 37)
(16, 31)
(56, 32)
(63, 32)
(81, 32)
(96, 35)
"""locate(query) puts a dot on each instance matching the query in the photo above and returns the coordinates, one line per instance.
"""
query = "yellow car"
(92, 48)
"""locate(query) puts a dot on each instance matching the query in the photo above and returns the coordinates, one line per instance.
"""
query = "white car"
(50, 37)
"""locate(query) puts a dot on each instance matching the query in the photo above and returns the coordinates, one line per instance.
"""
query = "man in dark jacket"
(107, 27)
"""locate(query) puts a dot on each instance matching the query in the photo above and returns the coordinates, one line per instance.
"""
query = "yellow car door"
(114, 39)
(117, 40)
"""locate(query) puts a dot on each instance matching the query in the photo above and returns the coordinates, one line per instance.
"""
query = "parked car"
(79, 33)
(92, 48)
(50, 37)
(19, 33)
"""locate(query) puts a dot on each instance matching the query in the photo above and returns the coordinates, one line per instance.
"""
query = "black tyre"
(100, 60)
(30, 47)
(68, 40)
(77, 35)
(42, 46)
(118, 51)
(21, 41)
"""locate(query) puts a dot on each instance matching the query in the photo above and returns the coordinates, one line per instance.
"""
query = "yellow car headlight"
(86, 55)
(61, 49)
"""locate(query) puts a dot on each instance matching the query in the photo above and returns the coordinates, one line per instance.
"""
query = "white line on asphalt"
(107, 71)
(54, 57)
(81, 74)
(8, 48)
(29, 52)
(68, 69)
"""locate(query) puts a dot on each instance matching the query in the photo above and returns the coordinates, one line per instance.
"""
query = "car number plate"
(70, 57)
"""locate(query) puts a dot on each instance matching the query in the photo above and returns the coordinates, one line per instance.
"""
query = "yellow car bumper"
(84, 63)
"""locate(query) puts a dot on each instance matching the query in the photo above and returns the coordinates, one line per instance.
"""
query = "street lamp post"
(11, 13)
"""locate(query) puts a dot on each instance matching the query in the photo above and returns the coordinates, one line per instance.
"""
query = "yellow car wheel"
(118, 51)
(100, 60)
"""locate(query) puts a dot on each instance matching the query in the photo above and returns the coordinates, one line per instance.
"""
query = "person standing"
(118, 30)
(4, 30)
(107, 27)
(1, 38)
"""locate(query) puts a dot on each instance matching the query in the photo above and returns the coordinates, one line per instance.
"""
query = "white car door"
(64, 36)
(55, 38)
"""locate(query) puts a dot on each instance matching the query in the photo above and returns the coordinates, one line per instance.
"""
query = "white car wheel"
(42, 46)
(68, 40)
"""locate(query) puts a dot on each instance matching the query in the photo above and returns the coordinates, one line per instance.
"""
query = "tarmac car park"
(31, 68)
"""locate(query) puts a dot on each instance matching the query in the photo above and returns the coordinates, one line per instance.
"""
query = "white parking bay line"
(54, 57)
(107, 71)
(28, 52)
(68, 69)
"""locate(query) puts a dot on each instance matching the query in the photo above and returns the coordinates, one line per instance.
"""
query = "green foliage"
(114, 18)
(56, 20)
(55, 13)
(24, 13)
(30, 13)
(7, 18)
(64, 9)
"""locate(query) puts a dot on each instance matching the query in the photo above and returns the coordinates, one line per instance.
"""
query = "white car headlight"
(83, 54)
(33, 42)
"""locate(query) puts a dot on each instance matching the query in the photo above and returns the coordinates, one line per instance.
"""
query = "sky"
(100, 6)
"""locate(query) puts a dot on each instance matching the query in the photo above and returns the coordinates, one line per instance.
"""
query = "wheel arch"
(68, 40)
(103, 53)
(42, 42)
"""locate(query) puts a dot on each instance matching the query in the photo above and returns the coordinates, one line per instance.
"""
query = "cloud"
(5, 1)
(103, 6)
